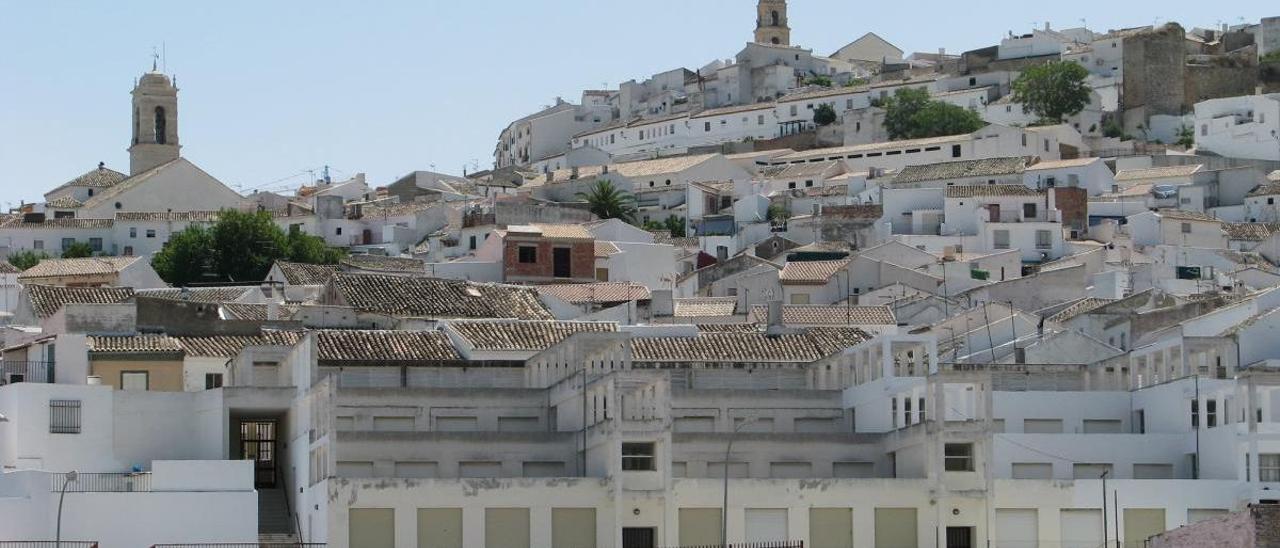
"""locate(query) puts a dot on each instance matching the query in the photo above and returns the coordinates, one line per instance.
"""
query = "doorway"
(638, 537)
(561, 261)
(258, 443)
(959, 537)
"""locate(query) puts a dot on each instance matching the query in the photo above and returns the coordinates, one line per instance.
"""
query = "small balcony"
(12, 371)
(127, 482)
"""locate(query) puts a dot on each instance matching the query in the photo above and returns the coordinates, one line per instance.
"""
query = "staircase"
(275, 525)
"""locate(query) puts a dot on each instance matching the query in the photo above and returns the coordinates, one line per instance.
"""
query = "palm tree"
(607, 202)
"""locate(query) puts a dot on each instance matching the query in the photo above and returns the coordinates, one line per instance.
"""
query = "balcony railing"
(762, 544)
(48, 544)
(102, 483)
(25, 371)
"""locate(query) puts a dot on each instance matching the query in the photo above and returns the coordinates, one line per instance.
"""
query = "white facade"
(1240, 127)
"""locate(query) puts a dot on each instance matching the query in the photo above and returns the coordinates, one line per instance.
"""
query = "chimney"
(605, 169)
(1046, 26)
(661, 302)
(774, 327)
(102, 166)
(273, 310)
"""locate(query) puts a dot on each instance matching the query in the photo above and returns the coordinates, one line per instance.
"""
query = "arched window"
(775, 40)
(774, 15)
(160, 126)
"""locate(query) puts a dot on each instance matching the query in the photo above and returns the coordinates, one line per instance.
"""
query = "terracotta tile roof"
(255, 312)
(373, 347)
(822, 92)
(1082, 306)
(134, 344)
(972, 191)
(1274, 176)
(6, 268)
(698, 307)
(169, 216)
(63, 202)
(602, 292)
(728, 328)
(807, 169)
(523, 335)
(639, 168)
(1269, 189)
(552, 231)
(986, 167)
(733, 110)
(869, 212)
(810, 272)
(306, 274)
(818, 314)
(605, 249)
(1250, 232)
(87, 266)
(17, 222)
(379, 263)
(665, 237)
(438, 298)
(197, 294)
(831, 340)
(227, 346)
(1158, 172)
(389, 209)
(744, 347)
(46, 300)
(1059, 164)
(1186, 215)
(130, 182)
(101, 177)
(833, 152)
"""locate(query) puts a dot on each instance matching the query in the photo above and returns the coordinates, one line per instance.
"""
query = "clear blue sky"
(272, 88)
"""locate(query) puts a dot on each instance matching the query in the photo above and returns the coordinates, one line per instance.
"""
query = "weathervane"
(155, 59)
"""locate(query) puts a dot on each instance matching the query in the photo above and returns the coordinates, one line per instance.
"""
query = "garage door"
(439, 528)
(699, 526)
(371, 527)
(573, 527)
(506, 528)
(1141, 524)
(1016, 528)
(896, 528)
(766, 524)
(831, 527)
(1081, 528)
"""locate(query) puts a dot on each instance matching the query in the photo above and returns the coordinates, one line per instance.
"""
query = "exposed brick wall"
(1073, 203)
(1256, 527)
(582, 260)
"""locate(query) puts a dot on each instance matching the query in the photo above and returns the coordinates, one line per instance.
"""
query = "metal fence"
(12, 371)
(241, 545)
(102, 483)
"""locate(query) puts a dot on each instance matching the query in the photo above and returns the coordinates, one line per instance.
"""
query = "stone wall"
(1153, 70)
(1225, 76)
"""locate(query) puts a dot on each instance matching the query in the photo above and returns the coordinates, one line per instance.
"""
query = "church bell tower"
(155, 122)
(771, 23)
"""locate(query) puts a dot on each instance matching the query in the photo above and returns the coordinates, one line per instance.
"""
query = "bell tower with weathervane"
(155, 121)
(771, 23)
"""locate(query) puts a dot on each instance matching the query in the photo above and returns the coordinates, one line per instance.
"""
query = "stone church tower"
(771, 23)
(155, 122)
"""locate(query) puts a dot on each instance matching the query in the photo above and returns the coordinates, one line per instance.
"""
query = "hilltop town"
(1022, 295)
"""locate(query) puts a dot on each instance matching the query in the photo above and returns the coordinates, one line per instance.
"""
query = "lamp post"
(70, 477)
(1104, 510)
(724, 508)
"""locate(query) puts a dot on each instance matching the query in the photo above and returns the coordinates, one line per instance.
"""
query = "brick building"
(548, 253)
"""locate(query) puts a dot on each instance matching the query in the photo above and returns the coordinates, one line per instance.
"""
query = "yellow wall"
(164, 375)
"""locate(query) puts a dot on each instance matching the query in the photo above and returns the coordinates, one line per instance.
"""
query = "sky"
(270, 90)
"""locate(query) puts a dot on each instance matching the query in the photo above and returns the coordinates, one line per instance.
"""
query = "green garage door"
(896, 528)
(371, 527)
(831, 527)
(439, 528)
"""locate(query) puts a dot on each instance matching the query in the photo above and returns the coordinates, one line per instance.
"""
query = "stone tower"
(771, 23)
(155, 122)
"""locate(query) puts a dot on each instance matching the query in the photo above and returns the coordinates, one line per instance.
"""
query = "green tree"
(187, 257)
(819, 80)
(824, 115)
(607, 202)
(1053, 91)
(1271, 57)
(777, 213)
(26, 258)
(1112, 130)
(77, 250)
(1186, 137)
(675, 225)
(900, 108)
(239, 247)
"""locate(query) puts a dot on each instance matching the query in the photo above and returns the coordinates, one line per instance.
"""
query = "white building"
(1240, 127)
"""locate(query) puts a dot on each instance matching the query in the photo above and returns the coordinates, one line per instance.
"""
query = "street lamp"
(68, 478)
(724, 508)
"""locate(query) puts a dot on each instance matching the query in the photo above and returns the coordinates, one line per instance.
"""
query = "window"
(1046, 145)
(808, 183)
(38, 244)
(795, 110)
(64, 417)
(528, 254)
(760, 120)
(1001, 238)
(1211, 413)
(151, 232)
(1081, 470)
(95, 244)
(706, 126)
(1044, 239)
(119, 205)
(68, 242)
(1186, 228)
(133, 232)
(1029, 211)
(128, 251)
(955, 151)
(212, 380)
(1204, 130)
(1195, 413)
(1271, 201)
(958, 457)
(472, 242)
(638, 456)
(1032, 470)
(160, 126)
(1269, 467)
(134, 380)
(800, 298)
(91, 193)
(337, 231)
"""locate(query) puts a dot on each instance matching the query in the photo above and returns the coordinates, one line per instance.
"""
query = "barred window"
(64, 416)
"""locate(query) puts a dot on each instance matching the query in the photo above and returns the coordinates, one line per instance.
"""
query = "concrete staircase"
(275, 525)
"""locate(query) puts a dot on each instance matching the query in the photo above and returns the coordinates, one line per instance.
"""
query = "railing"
(48, 544)
(102, 483)
(763, 544)
(25, 371)
(241, 545)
